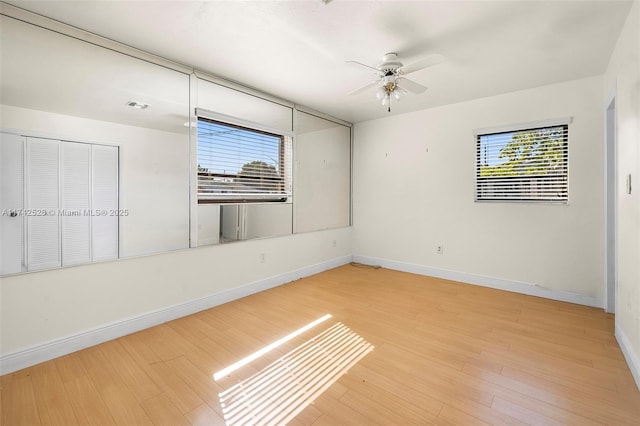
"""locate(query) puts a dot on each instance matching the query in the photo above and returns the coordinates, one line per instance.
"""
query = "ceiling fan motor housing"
(389, 64)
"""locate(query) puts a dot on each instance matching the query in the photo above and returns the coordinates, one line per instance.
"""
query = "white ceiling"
(297, 50)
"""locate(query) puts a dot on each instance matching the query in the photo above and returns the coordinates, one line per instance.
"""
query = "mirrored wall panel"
(186, 161)
(322, 174)
(244, 166)
(67, 93)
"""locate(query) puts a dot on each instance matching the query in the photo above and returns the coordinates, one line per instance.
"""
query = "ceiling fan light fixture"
(390, 72)
(399, 92)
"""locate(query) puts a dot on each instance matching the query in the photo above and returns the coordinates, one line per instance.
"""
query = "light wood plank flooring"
(444, 353)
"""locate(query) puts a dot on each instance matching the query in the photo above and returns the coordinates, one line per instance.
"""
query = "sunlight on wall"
(283, 389)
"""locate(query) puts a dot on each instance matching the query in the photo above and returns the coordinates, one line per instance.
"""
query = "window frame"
(285, 155)
(522, 196)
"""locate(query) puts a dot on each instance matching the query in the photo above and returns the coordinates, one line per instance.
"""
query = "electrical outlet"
(335, 243)
(440, 249)
(263, 257)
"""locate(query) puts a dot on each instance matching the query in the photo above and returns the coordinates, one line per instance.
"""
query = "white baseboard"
(24, 358)
(66, 345)
(633, 359)
(497, 283)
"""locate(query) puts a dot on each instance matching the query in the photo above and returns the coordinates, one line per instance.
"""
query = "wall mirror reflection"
(72, 110)
(322, 177)
(87, 130)
(244, 177)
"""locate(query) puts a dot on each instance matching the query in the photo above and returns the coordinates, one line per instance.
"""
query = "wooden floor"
(443, 353)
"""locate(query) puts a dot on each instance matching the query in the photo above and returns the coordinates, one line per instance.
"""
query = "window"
(524, 165)
(239, 165)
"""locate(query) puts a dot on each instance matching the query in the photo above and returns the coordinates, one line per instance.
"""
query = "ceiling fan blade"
(363, 65)
(411, 86)
(364, 88)
(429, 61)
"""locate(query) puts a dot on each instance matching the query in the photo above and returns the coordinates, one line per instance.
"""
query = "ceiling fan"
(391, 80)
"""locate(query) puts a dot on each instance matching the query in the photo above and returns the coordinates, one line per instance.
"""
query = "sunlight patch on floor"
(283, 389)
(233, 367)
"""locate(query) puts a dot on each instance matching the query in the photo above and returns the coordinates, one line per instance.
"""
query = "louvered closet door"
(104, 202)
(43, 227)
(76, 203)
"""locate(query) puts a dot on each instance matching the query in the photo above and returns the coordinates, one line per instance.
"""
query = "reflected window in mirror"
(242, 165)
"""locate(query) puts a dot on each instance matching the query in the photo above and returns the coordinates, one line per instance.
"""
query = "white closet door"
(104, 202)
(11, 204)
(76, 203)
(43, 226)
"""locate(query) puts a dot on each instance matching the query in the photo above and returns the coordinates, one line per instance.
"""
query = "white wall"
(39, 307)
(623, 78)
(414, 189)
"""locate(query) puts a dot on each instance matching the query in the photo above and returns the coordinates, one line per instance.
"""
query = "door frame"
(610, 207)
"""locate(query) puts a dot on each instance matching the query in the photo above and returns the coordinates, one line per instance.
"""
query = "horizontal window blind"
(525, 165)
(236, 164)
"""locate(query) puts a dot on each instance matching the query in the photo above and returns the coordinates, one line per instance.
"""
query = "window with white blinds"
(525, 165)
(240, 165)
